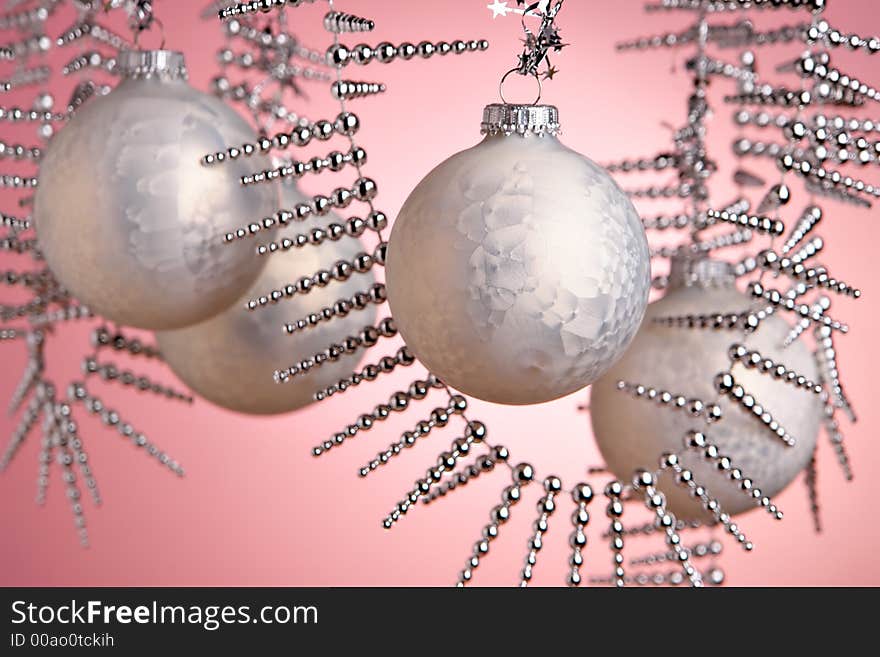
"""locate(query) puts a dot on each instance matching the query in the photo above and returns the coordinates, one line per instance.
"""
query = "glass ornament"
(518, 271)
(632, 433)
(128, 218)
(231, 358)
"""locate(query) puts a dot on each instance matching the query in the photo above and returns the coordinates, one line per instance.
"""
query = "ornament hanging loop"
(140, 30)
(517, 70)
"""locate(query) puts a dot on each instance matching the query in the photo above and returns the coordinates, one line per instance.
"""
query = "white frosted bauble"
(632, 432)
(129, 219)
(231, 358)
(517, 270)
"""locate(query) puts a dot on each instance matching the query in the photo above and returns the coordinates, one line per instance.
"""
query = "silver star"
(498, 9)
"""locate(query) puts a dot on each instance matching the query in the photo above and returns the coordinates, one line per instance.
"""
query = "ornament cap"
(149, 64)
(688, 270)
(502, 118)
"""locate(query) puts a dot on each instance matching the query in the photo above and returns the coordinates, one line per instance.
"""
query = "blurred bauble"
(632, 432)
(517, 270)
(129, 219)
(231, 358)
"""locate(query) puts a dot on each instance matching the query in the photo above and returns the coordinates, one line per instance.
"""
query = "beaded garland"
(448, 473)
(50, 307)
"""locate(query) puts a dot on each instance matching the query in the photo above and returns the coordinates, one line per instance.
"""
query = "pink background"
(256, 509)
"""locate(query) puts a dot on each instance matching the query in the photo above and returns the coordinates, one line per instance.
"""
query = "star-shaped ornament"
(550, 72)
(498, 9)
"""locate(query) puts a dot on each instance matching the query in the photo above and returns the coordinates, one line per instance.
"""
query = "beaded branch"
(471, 454)
(814, 141)
(695, 407)
(690, 161)
(47, 307)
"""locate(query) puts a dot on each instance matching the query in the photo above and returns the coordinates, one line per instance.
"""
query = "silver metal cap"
(144, 64)
(539, 120)
(689, 270)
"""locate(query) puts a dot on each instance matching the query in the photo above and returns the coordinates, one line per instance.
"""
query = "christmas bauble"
(517, 270)
(230, 359)
(129, 219)
(633, 432)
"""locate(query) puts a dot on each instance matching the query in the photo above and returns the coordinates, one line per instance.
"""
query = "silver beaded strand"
(94, 406)
(109, 372)
(458, 478)
(694, 407)
(751, 359)
(810, 480)
(697, 442)
(826, 357)
(726, 384)
(475, 433)
(698, 551)
(645, 482)
(50, 306)
(367, 338)
(370, 372)
(522, 475)
(582, 494)
(398, 402)
(614, 511)
(685, 479)
(438, 419)
(546, 508)
(342, 308)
